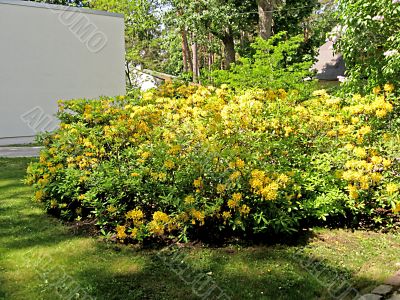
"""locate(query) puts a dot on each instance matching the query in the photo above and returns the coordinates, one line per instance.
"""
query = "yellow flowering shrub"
(184, 160)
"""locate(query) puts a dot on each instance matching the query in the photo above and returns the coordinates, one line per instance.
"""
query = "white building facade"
(48, 53)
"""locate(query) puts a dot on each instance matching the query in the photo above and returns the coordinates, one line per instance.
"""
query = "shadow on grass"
(22, 229)
(264, 274)
(12, 185)
(108, 271)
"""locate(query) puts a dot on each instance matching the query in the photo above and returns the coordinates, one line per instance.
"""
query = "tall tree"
(196, 69)
(224, 19)
(265, 15)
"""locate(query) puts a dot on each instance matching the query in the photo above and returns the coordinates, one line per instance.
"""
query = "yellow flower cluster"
(189, 200)
(161, 217)
(365, 173)
(234, 202)
(121, 232)
(392, 188)
(156, 228)
(198, 183)
(136, 216)
(169, 164)
(221, 188)
(239, 163)
(267, 186)
(244, 210)
(161, 176)
(160, 223)
(226, 215)
(197, 216)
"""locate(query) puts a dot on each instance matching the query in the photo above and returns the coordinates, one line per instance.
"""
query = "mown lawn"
(41, 258)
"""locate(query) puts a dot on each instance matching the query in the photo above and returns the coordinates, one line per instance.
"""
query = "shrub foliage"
(277, 63)
(185, 159)
(369, 39)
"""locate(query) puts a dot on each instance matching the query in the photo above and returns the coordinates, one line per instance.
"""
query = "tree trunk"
(184, 53)
(210, 61)
(229, 49)
(195, 60)
(128, 73)
(265, 14)
(187, 60)
(210, 53)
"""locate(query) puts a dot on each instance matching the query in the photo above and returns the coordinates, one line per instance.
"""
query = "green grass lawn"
(41, 258)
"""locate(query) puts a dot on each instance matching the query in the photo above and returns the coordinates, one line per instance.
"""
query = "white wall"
(49, 53)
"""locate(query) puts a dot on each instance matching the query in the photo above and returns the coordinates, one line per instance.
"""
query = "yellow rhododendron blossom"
(381, 113)
(226, 215)
(198, 183)
(364, 130)
(232, 204)
(169, 164)
(364, 182)
(331, 133)
(349, 147)
(376, 160)
(270, 192)
(283, 178)
(134, 233)
(388, 87)
(353, 193)
(376, 90)
(376, 177)
(221, 188)
(135, 215)
(39, 195)
(397, 209)
(256, 183)
(392, 188)
(160, 216)
(244, 209)
(240, 163)
(121, 234)
(386, 162)
(198, 216)
(237, 197)
(355, 120)
(235, 175)
(189, 200)
(155, 228)
(288, 130)
(360, 152)
(162, 176)
(145, 155)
